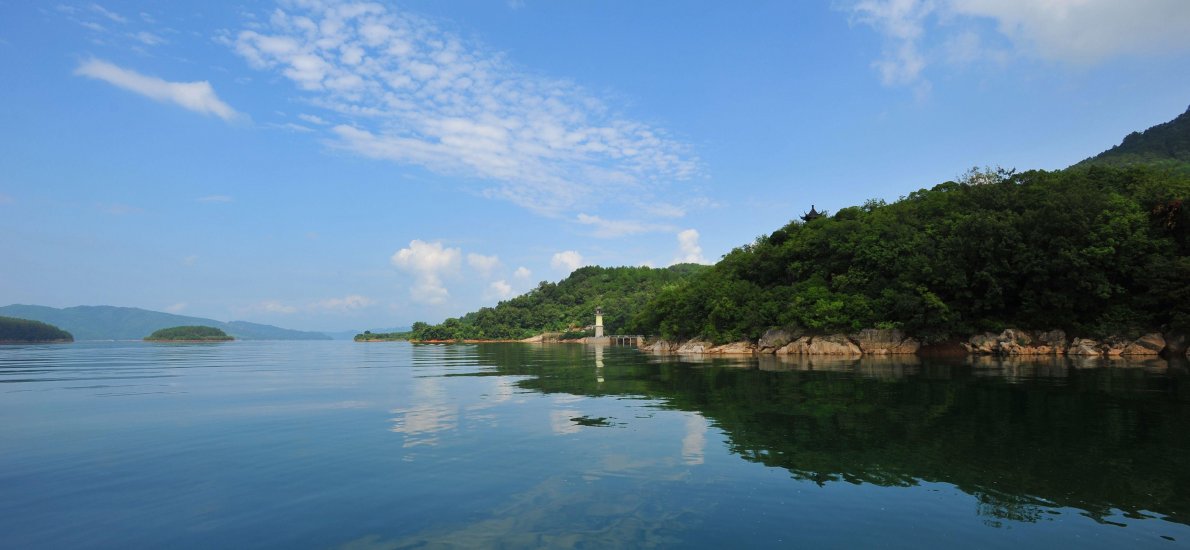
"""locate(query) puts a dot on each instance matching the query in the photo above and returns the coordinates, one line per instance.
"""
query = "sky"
(330, 165)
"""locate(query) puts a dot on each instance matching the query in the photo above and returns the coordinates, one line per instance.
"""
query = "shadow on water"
(1022, 436)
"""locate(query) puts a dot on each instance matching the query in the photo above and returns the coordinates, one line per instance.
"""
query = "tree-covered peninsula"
(1100, 249)
(24, 331)
(1095, 251)
(189, 334)
(570, 303)
(369, 336)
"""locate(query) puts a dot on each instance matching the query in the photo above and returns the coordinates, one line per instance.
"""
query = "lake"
(391, 445)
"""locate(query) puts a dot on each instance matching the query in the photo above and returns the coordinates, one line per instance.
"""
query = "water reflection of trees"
(1021, 436)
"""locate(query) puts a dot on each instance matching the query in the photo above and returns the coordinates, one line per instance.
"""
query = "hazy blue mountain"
(130, 323)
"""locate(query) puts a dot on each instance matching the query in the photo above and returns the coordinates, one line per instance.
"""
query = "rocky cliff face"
(885, 342)
(1018, 342)
(1009, 343)
(1054, 342)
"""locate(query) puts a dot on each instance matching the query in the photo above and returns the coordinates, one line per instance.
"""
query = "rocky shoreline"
(1010, 342)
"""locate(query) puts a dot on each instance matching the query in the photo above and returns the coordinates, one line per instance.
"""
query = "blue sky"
(327, 166)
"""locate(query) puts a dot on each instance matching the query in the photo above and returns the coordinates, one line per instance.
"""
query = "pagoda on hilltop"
(811, 215)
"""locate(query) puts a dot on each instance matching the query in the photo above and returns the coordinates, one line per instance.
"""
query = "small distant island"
(189, 334)
(369, 336)
(24, 331)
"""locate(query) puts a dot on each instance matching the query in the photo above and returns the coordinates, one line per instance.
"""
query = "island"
(189, 334)
(369, 336)
(24, 331)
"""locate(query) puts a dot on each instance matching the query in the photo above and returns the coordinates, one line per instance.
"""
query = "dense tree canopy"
(1165, 146)
(570, 303)
(1096, 251)
(24, 330)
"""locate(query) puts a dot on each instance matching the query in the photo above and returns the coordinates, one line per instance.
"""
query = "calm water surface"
(370, 446)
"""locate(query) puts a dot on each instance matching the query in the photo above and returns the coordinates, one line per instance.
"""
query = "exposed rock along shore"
(1011, 342)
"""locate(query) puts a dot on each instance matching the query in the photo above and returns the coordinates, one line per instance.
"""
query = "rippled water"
(338, 444)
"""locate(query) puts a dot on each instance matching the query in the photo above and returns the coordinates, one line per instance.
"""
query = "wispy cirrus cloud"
(196, 96)
(619, 228)
(147, 38)
(109, 14)
(404, 89)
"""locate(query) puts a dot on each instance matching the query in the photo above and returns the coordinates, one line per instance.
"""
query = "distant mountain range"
(130, 323)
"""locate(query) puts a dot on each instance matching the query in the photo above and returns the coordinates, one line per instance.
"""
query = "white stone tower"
(598, 322)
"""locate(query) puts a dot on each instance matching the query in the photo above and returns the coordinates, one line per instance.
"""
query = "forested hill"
(1099, 249)
(25, 331)
(129, 323)
(1165, 145)
(620, 291)
(1094, 251)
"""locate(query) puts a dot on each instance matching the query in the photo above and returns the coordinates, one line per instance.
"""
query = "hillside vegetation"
(1097, 251)
(189, 334)
(13, 330)
(1163, 147)
(620, 291)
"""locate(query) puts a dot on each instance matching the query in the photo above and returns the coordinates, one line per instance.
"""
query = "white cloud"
(619, 228)
(567, 261)
(1086, 31)
(148, 38)
(499, 290)
(483, 264)
(195, 96)
(351, 302)
(190, 260)
(406, 90)
(1082, 32)
(108, 13)
(292, 127)
(427, 262)
(214, 198)
(522, 273)
(176, 308)
(313, 119)
(689, 251)
(901, 21)
(5, 199)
